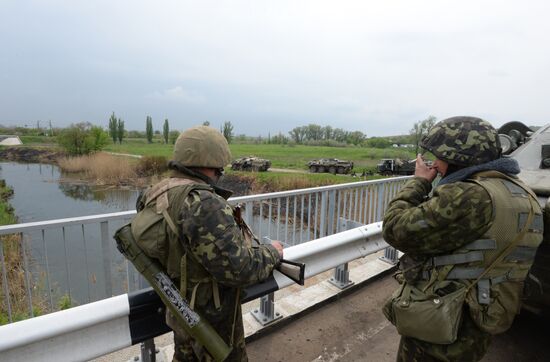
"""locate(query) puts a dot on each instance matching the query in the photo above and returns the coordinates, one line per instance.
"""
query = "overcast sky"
(268, 66)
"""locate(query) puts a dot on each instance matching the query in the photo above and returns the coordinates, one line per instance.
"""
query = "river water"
(67, 261)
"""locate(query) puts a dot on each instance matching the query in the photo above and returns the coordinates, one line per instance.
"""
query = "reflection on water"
(70, 260)
(39, 194)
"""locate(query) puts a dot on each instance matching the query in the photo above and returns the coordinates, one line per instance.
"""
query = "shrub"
(151, 165)
(82, 139)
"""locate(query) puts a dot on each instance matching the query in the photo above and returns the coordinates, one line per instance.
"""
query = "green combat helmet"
(463, 141)
(202, 146)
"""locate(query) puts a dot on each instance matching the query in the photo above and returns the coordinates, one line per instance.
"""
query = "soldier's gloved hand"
(277, 245)
(422, 170)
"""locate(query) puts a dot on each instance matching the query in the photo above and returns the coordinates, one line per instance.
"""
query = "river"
(68, 261)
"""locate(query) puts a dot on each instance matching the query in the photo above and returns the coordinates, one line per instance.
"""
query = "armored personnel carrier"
(332, 165)
(250, 164)
(532, 151)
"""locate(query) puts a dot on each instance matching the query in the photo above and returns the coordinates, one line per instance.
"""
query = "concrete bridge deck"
(352, 327)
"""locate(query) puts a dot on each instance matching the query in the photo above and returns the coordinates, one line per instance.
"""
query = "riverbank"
(31, 154)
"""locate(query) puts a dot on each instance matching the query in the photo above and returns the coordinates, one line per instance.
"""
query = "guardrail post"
(106, 251)
(341, 273)
(390, 256)
(148, 351)
(266, 314)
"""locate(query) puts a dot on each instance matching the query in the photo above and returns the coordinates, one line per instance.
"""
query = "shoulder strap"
(497, 174)
(510, 246)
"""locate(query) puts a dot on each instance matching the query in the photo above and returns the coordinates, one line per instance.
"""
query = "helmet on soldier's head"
(463, 141)
(202, 146)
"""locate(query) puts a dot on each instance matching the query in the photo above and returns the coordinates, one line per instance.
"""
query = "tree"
(228, 131)
(113, 127)
(378, 142)
(356, 137)
(149, 129)
(120, 130)
(174, 136)
(206, 123)
(166, 131)
(420, 129)
(82, 138)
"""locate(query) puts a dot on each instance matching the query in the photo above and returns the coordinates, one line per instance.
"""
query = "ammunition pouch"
(411, 309)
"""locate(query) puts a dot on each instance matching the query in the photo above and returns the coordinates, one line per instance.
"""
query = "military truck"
(532, 151)
(250, 164)
(331, 165)
(390, 166)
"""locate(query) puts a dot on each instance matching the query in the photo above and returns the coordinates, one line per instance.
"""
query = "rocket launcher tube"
(197, 327)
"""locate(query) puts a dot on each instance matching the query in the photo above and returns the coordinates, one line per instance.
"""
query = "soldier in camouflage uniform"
(212, 260)
(477, 193)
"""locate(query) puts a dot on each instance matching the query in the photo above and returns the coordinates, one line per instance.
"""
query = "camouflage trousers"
(471, 345)
(187, 349)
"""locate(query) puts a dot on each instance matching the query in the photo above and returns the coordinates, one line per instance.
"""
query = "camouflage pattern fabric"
(471, 345)
(455, 215)
(216, 250)
(463, 141)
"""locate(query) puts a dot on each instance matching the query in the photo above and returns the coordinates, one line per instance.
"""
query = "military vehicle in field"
(331, 165)
(250, 164)
(532, 151)
(397, 166)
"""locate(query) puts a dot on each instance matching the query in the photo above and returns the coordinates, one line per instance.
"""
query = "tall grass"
(102, 167)
(12, 250)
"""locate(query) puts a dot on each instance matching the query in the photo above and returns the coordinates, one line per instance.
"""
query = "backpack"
(155, 225)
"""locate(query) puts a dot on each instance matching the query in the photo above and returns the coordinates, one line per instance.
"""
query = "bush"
(82, 139)
(151, 165)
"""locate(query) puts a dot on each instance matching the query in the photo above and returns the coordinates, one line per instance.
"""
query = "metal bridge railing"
(73, 261)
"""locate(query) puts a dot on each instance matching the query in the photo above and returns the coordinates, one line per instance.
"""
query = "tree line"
(83, 137)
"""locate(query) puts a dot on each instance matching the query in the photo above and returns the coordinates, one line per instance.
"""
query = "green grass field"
(281, 156)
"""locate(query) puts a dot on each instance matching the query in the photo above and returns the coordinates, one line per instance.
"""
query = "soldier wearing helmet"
(468, 244)
(212, 257)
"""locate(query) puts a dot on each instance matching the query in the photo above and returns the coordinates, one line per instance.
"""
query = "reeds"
(102, 167)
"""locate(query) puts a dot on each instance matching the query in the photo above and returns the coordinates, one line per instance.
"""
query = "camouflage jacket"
(216, 250)
(457, 214)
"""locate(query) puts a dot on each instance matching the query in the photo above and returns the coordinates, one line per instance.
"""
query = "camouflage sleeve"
(456, 214)
(218, 243)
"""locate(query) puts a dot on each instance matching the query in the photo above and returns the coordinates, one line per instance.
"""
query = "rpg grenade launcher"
(192, 322)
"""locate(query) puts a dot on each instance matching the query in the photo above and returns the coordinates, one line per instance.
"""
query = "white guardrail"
(98, 328)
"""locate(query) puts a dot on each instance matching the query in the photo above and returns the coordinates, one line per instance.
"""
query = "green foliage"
(64, 302)
(113, 127)
(149, 129)
(120, 130)
(378, 142)
(228, 131)
(315, 134)
(174, 136)
(82, 138)
(166, 131)
(420, 129)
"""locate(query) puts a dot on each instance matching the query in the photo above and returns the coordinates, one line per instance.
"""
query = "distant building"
(10, 140)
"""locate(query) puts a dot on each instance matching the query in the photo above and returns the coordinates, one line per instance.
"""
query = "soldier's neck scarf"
(505, 165)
